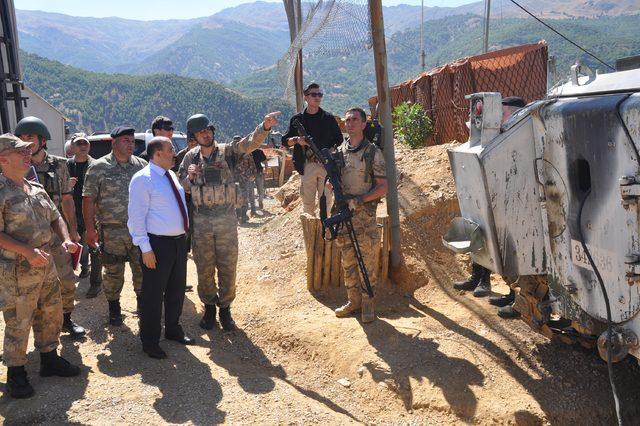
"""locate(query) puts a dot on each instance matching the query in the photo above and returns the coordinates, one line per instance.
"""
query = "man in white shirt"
(158, 223)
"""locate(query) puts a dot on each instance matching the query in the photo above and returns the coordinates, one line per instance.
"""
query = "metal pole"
(422, 55)
(487, 15)
(298, 70)
(384, 114)
(293, 8)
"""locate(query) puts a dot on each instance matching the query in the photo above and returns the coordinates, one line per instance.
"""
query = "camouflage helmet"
(32, 126)
(198, 122)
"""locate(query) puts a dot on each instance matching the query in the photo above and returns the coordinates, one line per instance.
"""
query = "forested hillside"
(96, 102)
(350, 80)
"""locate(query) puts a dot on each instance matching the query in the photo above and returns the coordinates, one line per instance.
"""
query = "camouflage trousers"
(367, 233)
(30, 299)
(68, 281)
(118, 249)
(215, 247)
(246, 191)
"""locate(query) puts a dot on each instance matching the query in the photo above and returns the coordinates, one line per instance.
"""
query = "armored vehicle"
(549, 200)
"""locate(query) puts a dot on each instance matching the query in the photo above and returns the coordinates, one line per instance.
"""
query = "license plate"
(601, 257)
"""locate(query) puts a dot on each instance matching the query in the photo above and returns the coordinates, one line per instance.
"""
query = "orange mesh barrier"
(516, 71)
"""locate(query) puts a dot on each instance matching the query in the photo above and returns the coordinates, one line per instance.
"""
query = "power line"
(562, 35)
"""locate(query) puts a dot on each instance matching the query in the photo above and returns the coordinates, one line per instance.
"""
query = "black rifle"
(344, 213)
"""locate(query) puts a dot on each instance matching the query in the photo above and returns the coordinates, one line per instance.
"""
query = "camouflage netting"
(331, 28)
(516, 71)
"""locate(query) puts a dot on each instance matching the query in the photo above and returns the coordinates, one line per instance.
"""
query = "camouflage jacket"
(245, 169)
(218, 159)
(107, 182)
(361, 166)
(53, 175)
(26, 217)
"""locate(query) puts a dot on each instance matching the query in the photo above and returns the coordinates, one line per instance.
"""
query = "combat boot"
(367, 315)
(253, 211)
(243, 215)
(94, 290)
(115, 313)
(71, 327)
(18, 384)
(226, 321)
(508, 312)
(503, 300)
(208, 320)
(51, 364)
(353, 305)
(483, 288)
(471, 282)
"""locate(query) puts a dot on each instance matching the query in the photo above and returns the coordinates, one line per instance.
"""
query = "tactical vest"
(215, 187)
(357, 168)
(49, 180)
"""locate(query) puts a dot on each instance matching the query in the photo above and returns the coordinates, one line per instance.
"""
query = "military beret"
(9, 141)
(122, 131)
(514, 101)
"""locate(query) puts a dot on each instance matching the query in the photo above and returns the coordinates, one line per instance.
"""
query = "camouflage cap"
(9, 141)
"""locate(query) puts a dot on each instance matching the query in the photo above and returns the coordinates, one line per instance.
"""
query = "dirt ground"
(434, 356)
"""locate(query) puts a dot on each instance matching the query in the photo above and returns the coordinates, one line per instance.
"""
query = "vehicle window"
(139, 148)
(100, 148)
(179, 143)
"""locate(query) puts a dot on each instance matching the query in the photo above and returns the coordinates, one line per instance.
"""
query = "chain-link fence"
(516, 71)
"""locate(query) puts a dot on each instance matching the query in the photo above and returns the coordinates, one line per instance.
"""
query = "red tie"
(183, 212)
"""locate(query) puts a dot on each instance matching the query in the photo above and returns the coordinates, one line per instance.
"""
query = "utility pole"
(422, 55)
(293, 9)
(384, 113)
(487, 16)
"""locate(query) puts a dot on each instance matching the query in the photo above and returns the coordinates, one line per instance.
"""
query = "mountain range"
(239, 46)
(234, 42)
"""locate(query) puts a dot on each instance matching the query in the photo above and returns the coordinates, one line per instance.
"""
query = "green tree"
(411, 124)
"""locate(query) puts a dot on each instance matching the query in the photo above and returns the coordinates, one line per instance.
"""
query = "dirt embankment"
(434, 356)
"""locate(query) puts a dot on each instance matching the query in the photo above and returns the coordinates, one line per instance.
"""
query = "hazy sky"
(166, 9)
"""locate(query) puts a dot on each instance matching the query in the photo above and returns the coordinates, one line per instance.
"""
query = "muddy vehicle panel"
(560, 172)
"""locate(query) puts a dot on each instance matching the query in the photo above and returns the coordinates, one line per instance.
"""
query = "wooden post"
(384, 111)
(318, 256)
(283, 164)
(309, 232)
(326, 267)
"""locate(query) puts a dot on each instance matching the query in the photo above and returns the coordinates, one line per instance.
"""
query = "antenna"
(422, 55)
(487, 15)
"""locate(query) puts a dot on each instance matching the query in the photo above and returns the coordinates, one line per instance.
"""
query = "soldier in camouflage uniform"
(29, 286)
(364, 182)
(52, 173)
(105, 199)
(206, 175)
(245, 172)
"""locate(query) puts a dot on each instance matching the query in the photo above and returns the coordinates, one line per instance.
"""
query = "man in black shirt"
(324, 129)
(78, 165)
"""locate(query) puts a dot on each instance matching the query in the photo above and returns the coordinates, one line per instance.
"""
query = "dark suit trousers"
(165, 284)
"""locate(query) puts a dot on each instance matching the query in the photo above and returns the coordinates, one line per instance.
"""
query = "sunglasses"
(82, 143)
(316, 94)
(166, 127)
